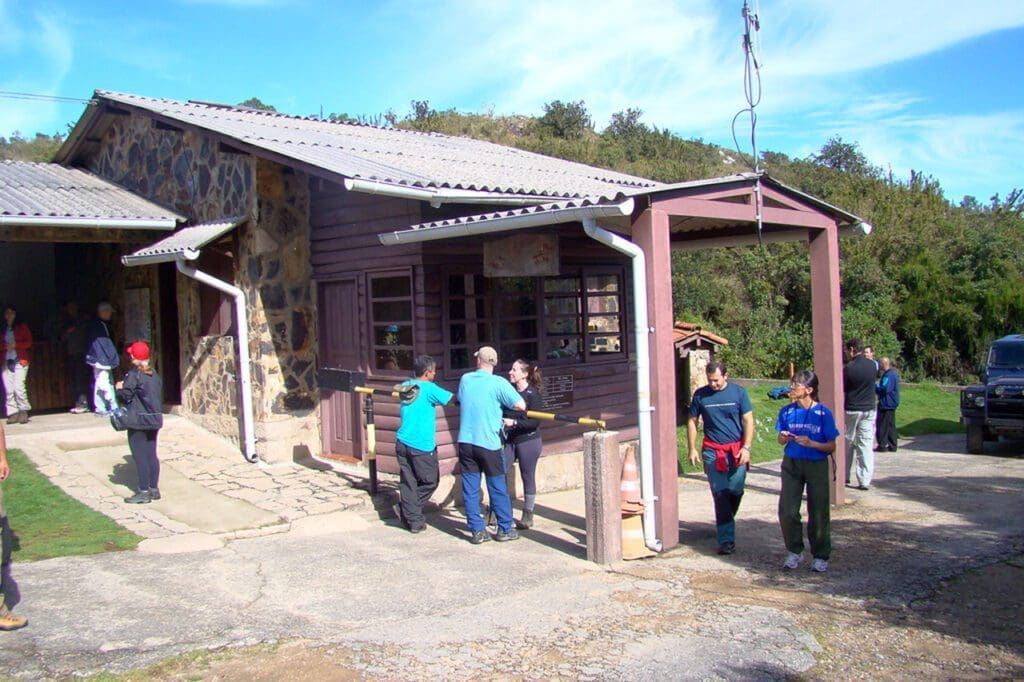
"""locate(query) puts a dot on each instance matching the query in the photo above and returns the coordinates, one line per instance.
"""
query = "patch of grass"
(48, 523)
(924, 408)
(928, 408)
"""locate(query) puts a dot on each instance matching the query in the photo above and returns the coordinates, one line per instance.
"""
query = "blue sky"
(927, 86)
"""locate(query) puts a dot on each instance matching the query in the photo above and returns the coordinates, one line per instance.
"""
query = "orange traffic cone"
(633, 546)
(630, 486)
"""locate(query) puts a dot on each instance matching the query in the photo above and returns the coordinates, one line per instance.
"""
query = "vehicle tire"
(975, 439)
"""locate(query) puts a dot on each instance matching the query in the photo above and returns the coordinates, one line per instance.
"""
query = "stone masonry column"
(602, 471)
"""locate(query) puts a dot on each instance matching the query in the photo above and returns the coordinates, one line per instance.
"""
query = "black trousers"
(885, 430)
(418, 477)
(147, 466)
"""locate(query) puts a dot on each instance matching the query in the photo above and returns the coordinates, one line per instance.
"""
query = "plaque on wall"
(522, 255)
(558, 392)
(136, 315)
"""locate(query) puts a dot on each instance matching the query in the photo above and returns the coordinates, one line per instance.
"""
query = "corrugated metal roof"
(36, 193)
(185, 243)
(391, 155)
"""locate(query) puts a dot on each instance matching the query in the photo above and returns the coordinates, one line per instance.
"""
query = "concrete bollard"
(601, 480)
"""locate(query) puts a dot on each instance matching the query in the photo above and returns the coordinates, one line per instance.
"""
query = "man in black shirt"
(859, 405)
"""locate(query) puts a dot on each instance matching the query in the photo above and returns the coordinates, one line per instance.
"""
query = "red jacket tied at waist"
(22, 343)
(725, 453)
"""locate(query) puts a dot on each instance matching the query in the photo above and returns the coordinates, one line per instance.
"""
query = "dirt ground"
(982, 636)
(965, 626)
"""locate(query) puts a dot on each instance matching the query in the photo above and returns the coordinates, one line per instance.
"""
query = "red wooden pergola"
(723, 213)
(739, 210)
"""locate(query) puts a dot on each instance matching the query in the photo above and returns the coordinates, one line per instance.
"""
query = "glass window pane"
(515, 285)
(456, 309)
(392, 335)
(458, 358)
(603, 283)
(387, 287)
(393, 360)
(563, 347)
(518, 329)
(515, 306)
(565, 285)
(605, 344)
(511, 352)
(563, 325)
(456, 285)
(561, 306)
(400, 311)
(603, 323)
(602, 304)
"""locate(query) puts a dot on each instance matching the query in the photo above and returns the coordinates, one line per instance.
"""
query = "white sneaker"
(819, 566)
(792, 561)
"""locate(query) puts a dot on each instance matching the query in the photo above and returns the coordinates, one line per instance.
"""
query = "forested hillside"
(933, 284)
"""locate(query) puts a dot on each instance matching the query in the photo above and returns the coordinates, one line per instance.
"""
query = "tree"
(569, 121)
(42, 147)
(256, 103)
(844, 157)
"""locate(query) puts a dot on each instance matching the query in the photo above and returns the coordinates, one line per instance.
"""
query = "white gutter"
(437, 197)
(505, 223)
(643, 365)
(249, 434)
(155, 258)
(110, 223)
(860, 229)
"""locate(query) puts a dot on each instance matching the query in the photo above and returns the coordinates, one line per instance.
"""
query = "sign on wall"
(558, 392)
(136, 315)
(522, 255)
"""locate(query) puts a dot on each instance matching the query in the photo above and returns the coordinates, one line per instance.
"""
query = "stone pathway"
(91, 462)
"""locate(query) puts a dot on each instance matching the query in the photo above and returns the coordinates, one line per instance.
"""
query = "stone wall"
(190, 173)
(276, 272)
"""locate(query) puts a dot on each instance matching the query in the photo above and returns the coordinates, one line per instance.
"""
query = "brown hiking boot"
(14, 418)
(23, 417)
(8, 621)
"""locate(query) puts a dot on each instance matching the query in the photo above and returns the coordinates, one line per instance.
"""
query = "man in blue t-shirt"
(728, 433)
(416, 446)
(481, 397)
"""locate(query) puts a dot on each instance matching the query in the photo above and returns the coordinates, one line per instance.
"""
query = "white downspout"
(248, 432)
(643, 365)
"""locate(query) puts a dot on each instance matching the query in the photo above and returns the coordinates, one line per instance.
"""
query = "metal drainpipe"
(643, 364)
(248, 432)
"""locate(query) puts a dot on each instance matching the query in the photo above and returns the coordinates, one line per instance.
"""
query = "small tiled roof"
(41, 193)
(387, 155)
(185, 243)
(688, 333)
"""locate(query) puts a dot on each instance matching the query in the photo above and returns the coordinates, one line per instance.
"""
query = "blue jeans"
(474, 462)
(726, 491)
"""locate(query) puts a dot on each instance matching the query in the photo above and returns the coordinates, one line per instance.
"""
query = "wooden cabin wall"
(344, 242)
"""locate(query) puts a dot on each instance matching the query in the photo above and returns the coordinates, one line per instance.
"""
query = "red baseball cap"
(138, 350)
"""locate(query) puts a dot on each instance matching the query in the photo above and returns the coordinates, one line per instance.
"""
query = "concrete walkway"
(306, 558)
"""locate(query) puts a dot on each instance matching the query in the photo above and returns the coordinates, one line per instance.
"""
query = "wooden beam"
(727, 210)
(827, 329)
(650, 233)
